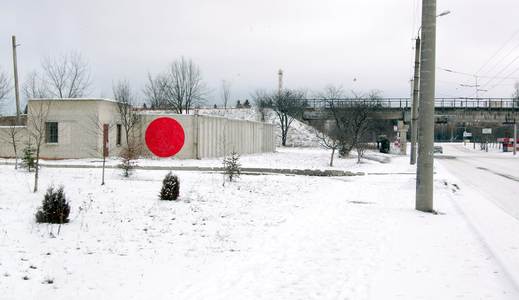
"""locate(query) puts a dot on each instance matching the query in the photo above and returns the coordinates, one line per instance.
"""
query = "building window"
(51, 132)
(118, 139)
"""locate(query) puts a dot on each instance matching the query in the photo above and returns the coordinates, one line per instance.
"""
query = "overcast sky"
(245, 42)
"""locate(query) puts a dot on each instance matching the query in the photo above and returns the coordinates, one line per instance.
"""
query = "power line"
(503, 58)
(501, 71)
(497, 52)
(513, 72)
(474, 75)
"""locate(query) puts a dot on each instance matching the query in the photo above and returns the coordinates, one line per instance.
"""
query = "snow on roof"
(172, 114)
(73, 99)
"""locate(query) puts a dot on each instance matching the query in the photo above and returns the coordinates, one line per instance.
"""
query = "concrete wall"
(220, 136)
(80, 133)
(6, 147)
(208, 136)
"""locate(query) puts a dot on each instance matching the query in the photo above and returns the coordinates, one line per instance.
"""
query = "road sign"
(467, 134)
(487, 131)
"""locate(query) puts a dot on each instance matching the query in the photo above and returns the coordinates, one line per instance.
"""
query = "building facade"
(77, 128)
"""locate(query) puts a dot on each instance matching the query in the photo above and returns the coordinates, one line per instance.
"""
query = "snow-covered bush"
(170, 187)
(55, 208)
(232, 166)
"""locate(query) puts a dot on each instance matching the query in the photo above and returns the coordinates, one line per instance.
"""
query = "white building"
(74, 128)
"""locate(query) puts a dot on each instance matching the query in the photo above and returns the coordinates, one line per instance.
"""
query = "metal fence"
(405, 103)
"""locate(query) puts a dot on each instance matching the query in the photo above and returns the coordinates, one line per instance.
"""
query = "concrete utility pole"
(515, 137)
(416, 92)
(477, 86)
(280, 81)
(424, 173)
(16, 91)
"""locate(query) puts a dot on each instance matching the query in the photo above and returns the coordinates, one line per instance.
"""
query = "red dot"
(165, 137)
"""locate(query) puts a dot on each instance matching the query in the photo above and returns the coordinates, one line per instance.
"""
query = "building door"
(105, 140)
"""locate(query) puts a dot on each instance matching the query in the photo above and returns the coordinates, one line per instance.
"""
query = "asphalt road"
(495, 175)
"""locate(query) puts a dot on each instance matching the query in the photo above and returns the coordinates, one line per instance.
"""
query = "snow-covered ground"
(283, 158)
(495, 174)
(488, 197)
(263, 237)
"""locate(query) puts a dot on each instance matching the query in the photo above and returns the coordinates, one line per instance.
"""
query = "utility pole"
(416, 92)
(515, 137)
(280, 81)
(476, 86)
(16, 91)
(424, 173)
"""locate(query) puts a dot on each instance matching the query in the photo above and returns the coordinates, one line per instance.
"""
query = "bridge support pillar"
(402, 137)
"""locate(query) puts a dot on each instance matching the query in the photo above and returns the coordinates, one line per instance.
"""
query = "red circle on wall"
(165, 137)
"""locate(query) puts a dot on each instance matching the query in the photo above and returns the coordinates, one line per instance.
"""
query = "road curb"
(252, 171)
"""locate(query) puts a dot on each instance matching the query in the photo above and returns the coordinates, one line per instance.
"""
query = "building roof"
(73, 99)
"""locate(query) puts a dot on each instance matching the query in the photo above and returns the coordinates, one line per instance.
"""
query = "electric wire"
(497, 52)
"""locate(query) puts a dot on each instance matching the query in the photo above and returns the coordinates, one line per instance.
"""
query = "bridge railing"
(490, 103)
(406, 103)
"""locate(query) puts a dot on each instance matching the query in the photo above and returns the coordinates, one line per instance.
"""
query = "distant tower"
(280, 81)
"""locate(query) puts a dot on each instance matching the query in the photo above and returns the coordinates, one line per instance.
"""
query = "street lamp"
(475, 85)
(443, 13)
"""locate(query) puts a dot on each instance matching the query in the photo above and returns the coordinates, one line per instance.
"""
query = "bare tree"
(351, 124)
(361, 148)
(38, 131)
(127, 114)
(331, 92)
(288, 105)
(154, 90)
(96, 129)
(226, 93)
(262, 101)
(329, 142)
(35, 86)
(181, 86)
(129, 120)
(5, 87)
(13, 137)
(67, 76)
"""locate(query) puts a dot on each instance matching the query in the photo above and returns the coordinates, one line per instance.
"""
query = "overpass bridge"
(452, 115)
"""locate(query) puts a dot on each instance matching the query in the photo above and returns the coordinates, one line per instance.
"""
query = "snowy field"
(283, 158)
(263, 237)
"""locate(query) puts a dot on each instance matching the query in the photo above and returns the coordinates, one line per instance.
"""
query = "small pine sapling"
(232, 166)
(28, 159)
(170, 187)
(55, 208)
(128, 163)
